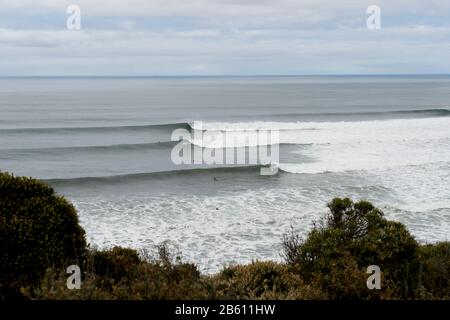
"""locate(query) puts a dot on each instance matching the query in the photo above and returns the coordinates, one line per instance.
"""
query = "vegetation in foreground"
(40, 236)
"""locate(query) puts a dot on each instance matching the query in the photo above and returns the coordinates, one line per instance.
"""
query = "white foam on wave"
(306, 133)
(251, 126)
(347, 146)
(376, 145)
(211, 231)
(309, 126)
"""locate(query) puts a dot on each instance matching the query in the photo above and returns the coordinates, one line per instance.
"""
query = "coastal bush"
(352, 237)
(262, 280)
(38, 230)
(435, 269)
(166, 278)
(115, 263)
(119, 273)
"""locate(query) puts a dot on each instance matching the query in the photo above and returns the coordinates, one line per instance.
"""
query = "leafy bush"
(262, 280)
(435, 269)
(116, 263)
(38, 230)
(353, 237)
(120, 273)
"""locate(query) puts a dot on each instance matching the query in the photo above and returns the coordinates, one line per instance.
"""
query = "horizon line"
(228, 76)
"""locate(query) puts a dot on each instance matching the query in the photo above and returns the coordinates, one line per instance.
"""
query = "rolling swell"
(101, 129)
(421, 112)
(152, 146)
(96, 149)
(126, 178)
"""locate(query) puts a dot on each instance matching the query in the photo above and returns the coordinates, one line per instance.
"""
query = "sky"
(223, 37)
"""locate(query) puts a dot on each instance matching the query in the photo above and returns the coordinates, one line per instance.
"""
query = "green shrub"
(323, 262)
(38, 230)
(116, 263)
(435, 269)
(262, 280)
(396, 252)
(353, 237)
(120, 273)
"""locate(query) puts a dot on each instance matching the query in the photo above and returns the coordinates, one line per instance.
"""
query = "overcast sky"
(224, 37)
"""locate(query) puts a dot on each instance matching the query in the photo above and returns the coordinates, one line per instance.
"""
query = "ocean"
(105, 144)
